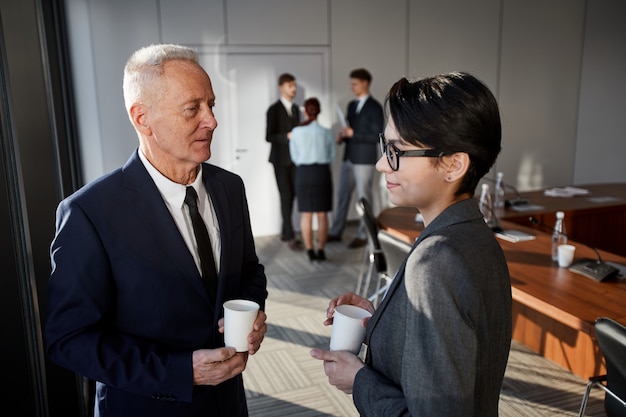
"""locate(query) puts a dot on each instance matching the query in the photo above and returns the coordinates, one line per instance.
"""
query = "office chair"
(611, 337)
(396, 251)
(375, 262)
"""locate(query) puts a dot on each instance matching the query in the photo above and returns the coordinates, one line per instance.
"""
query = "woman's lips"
(390, 184)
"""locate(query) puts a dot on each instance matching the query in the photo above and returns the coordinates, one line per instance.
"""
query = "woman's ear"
(458, 164)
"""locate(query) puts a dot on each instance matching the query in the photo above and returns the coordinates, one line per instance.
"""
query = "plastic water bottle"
(486, 208)
(498, 192)
(559, 236)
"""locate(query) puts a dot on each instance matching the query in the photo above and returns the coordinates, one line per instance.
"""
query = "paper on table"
(603, 199)
(565, 192)
(527, 207)
(515, 235)
(341, 116)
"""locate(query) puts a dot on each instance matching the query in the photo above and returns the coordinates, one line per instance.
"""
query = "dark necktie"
(356, 106)
(207, 262)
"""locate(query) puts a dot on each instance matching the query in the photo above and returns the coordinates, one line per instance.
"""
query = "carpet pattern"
(283, 380)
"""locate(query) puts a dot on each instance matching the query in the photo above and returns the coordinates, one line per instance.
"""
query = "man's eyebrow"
(191, 100)
(197, 100)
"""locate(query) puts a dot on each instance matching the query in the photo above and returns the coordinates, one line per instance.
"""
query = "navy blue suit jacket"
(278, 124)
(126, 303)
(362, 147)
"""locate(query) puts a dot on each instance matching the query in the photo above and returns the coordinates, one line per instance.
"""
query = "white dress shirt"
(361, 102)
(174, 197)
(288, 105)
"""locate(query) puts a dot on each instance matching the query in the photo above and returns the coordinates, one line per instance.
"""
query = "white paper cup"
(566, 255)
(239, 316)
(348, 333)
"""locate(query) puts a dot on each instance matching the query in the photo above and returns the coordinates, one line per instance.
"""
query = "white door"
(245, 85)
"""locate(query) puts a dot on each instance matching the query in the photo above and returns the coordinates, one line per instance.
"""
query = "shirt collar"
(172, 192)
(288, 104)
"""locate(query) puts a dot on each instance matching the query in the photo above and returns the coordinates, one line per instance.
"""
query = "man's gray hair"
(146, 64)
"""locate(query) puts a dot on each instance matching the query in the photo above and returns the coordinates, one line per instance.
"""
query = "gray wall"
(554, 66)
(600, 140)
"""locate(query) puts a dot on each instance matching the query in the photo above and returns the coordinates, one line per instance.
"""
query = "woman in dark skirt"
(312, 150)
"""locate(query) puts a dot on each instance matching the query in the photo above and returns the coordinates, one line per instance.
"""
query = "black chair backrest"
(371, 225)
(611, 337)
(395, 250)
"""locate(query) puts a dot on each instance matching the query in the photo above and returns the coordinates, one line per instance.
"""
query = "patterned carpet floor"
(283, 380)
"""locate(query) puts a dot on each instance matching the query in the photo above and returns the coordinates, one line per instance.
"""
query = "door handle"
(239, 151)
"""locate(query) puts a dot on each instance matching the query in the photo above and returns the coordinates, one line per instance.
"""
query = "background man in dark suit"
(282, 116)
(365, 122)
(127, 303)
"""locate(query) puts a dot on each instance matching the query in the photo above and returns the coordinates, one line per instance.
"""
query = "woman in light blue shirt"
(312, 149)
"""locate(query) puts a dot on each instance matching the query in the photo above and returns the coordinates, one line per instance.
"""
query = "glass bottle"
(498, 192)
(559, 236)
(486, 208)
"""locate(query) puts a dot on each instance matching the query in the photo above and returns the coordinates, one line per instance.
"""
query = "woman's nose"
(382, 165)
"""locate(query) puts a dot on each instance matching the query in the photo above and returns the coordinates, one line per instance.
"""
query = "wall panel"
(118, 28)
(203, 20)
(372, 35)
(277, 22)
(601, 125)
(539, 89)
(450, 35)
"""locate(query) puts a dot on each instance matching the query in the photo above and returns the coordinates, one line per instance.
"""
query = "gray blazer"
(439, 342)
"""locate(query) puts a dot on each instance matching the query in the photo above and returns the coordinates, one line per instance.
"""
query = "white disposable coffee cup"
(566, 255)
(348, 333)
(239, 316)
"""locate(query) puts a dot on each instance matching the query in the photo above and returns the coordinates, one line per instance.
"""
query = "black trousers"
(286, 182)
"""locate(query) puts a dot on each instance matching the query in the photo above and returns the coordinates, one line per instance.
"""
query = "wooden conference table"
(597, 219)
(554, 310)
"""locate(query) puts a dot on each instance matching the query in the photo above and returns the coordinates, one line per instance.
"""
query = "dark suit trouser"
(286, 181)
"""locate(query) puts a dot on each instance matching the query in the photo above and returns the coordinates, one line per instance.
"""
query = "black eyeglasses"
(394, 154)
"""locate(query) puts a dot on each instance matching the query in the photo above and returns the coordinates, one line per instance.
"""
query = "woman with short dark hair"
(438, 343)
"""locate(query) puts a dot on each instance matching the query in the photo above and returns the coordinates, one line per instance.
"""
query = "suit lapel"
(352, 108)
(219, 197)
(458, 212)
(161, 230)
